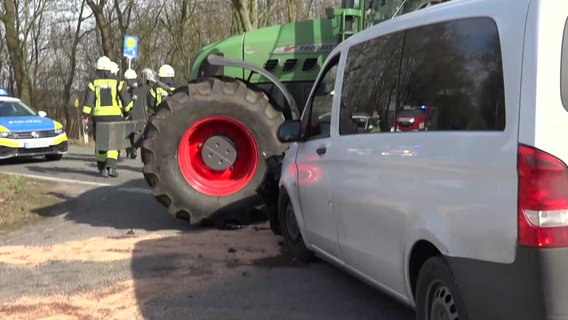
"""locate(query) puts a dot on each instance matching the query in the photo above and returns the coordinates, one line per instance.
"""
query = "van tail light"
(543, 199)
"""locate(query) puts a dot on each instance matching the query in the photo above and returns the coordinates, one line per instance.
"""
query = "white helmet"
(104, 63)
(130, 74)
(114, 68)
(166, 71)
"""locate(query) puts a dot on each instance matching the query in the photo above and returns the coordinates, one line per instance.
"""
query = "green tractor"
(210, 152)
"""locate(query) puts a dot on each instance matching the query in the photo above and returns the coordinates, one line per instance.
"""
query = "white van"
(466, 215)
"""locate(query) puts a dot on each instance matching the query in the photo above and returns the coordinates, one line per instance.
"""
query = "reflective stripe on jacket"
(122, 92)
(157, 95)
(104, 98)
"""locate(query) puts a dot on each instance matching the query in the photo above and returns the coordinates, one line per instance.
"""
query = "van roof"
(394, 23)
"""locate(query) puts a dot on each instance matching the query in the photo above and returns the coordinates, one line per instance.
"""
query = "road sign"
(130, 47)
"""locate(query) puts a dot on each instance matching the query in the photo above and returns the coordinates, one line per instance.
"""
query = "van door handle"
(321, 150)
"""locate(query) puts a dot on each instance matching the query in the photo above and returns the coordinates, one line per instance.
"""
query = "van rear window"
(564, 68)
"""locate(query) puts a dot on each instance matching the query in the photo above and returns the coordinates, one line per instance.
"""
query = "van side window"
(452, 77)
(369, 85)
(317, 119)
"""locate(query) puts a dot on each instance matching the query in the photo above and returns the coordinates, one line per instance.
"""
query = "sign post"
(80, 126)
(130, 49)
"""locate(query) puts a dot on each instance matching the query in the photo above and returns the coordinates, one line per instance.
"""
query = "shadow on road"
(74, 154)
(243, 275)
(83, 163)
(22, 160)
(126, 206)
(60, 171)
(89, 169)
(131, 206)
(71, 156)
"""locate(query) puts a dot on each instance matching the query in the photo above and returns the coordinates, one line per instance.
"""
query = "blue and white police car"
(25, 132)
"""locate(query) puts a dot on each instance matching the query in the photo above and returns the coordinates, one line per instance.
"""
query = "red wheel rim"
(218, 182)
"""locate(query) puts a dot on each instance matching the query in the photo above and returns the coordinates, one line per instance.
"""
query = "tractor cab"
(377, 11)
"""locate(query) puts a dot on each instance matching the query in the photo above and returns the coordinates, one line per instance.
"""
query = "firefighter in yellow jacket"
(105, 102)
(166, 74)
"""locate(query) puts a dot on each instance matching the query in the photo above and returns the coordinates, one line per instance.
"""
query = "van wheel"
(293, 240)
(437, 296)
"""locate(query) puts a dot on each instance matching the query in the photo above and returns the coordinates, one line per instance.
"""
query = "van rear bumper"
(535, 286)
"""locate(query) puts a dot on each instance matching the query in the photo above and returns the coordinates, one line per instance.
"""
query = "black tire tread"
(207, 89)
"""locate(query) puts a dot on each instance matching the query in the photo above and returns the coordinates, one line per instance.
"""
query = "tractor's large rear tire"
(204, 150)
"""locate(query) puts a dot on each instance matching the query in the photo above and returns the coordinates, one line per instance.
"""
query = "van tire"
(293, 240)
(436, 289)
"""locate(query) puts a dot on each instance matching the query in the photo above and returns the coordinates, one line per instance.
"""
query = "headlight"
(59, 131)
(4, 134)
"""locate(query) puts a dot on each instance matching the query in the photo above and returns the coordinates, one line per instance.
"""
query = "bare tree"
(123, 16)
(19, 18)
(146, 24)
(72, 57)
(242, 10)
(103, 25)
(292, 10)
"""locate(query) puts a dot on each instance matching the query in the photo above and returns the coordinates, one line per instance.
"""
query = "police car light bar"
(3, 92)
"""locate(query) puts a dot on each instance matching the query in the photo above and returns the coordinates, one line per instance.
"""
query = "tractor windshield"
(381, 10)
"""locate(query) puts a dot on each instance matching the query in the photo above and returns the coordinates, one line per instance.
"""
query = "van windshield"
(564, 68)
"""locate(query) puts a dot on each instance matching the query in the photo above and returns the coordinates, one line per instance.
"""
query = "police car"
(25, 132)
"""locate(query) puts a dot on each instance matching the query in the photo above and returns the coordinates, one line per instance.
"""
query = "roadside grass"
(19, 196)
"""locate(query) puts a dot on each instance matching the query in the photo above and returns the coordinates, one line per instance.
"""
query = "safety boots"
(108, 172)
(112, 172)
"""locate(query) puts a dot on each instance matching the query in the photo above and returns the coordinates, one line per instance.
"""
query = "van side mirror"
(42, 114)
(289, 131)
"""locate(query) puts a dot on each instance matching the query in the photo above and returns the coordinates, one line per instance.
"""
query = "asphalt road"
(109, 250)
(78, 165)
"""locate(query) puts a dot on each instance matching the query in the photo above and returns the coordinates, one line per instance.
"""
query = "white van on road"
(469, 219)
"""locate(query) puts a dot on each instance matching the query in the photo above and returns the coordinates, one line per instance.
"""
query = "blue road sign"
(130, 47)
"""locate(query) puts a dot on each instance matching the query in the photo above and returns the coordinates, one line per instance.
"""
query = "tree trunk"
(15, 50)
(254, 13)
(266, 21)
(292, 10)
(103, 26)
(123, 19)
(242, 10)
(73, 66)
